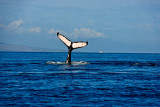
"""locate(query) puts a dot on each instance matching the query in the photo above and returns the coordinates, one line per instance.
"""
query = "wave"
(113, 63)
(74, 62)
(128, 63)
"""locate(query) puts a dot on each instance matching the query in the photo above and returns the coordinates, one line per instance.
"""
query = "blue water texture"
(106, 80)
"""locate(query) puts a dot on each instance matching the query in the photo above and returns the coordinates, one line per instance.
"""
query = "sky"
(125, 26)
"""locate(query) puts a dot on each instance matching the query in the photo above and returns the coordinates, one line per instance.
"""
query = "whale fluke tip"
(57, 33)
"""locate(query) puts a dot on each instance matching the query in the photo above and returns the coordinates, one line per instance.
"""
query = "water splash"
(74, 62)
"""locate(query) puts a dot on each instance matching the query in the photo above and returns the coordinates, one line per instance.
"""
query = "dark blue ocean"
(94, 79)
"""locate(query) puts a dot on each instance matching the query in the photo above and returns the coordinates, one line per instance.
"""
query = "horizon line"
(79, 52)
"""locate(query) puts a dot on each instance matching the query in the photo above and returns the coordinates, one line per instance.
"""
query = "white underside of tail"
(68, 43)
(79, 44)
(65, 40)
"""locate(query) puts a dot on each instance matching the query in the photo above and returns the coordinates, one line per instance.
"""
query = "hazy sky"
(108, 25)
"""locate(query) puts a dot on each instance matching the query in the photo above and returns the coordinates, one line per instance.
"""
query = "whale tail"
(71, 45)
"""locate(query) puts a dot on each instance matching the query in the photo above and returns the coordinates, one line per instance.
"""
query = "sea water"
(93, 79)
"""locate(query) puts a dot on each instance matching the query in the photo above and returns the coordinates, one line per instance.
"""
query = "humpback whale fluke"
(71, 45)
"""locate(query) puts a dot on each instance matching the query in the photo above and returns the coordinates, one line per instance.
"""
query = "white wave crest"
(79, 62)
(52, 62)
(74, 62)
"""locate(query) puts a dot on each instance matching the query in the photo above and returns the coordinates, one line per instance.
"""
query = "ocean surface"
(93, 79)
